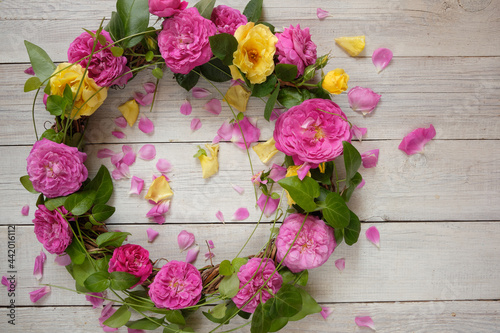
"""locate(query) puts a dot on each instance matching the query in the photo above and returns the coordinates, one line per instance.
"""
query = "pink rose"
(166, 8)
(133, 259)
(313, 246)
(56, 169)
(104, 67)
(176, 286)
(227, 19)
(295, 47)
(312, 131)
(52, 230)
(252, 280)
(184, 43)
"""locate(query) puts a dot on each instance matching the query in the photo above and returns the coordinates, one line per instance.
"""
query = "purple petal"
(270, 207)
(95, 301)
(373, 235)
(366, 321)
(150, 87)
(219, 216)
(275, 114)
(303, 170)
(147, 152)
(38, 268)
(192, 254)
(213, 106)
(209, 255)
(241, 214)
(121, 122)
(415, 141)
(186, 108)
(105, 152)
(200, 92)
(322, 14)
(35, 295)
(163, 165)
(118, 134)
(146, 125)
(63, 260)
(29, 71)
(238, 189)
(107, 312)
(381, 58)
(195, 124)
(361, 184)
(363, 100)
(325, 312)
(185, 240)
(211, 244)
(370, 158)
(142, 99)
(358, 132)
(277, 172)
(152, 234)
(5, 282)
(340, 264)
(25, 210)
(136, 185)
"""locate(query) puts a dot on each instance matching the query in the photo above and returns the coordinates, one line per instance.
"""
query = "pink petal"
(63, 260)
(303, 170)
(381, 58)
(211, 244)
(35, 295)
(29, 71)
(340, 264)
(118, 134)
(127, 149)
(159, 209)
(277, 172)
(219, 216)
(361, 184)
(152, 234)
(270, 207)
(105, 152)
(241, 214)
(95, 301)
(363, 100)
(116, 158)
(38, 269)
(107, 312)
(275, 114)
(233, 132)
(326, 312)
(192, 254)
(147, 152)
(133, 330)
(200, 92)
(146, 125)
(365, 322)
(322, 14)
(150, 87)
(195, 124)
(185, 240)
(358, 132)
(5, 282)
(238, 189)
(415, 141)
(136, 185)
(209, 255)
(373, 235)
(121, 122)
(186, 108)
(142, 99)
(121, 171)
(129, 158)
(163, 166)
(216, 139)
(25, 210)
(213, 106)
(237, 82)
(158, 219)
(370, 158)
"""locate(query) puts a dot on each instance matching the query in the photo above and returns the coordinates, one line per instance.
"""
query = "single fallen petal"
(373, 235)
(303, 171)
(25, 210)
(163, 165)
(5, 282)
(325, 312)
(275, 114)
(130, 111)
(117, 174)
(366, 321)
(210, 164)
(63, 260)
(105, 152)
(370, 158)
(123, 170)
(158, 219)
(192, 254)
(361, 184)
(209, 255)
(381, 58)
(147, 152)
(143, 99)
(159, 209)
(267, 204)
(38, 267)
(29, 71)
(116, 159)
(241, 214)
(352, 45)
(136, 185)
(265, 150)
(415, 141)
(358, 132)
(186, 108)
(127, 149)
(277, 172)
(195, 124)
(121, 122)
(36, 295)
(213, 106)
(238, 189)
(185, 240)
(159, 190)
(150, 87)
(238, 97)
(200, 92)
(363, 100)
(250, 131)
(128, 158)
(219, 216)
(118, 134)
(95, 301)
(107, 312)
(152, 234)
(211, 244)
(322, 14)
(146, 125)
(340, 264)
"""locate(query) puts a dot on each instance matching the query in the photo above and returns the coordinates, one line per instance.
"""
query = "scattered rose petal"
(38, 268)
(358, 132)
(45, 97)
(275, 114)
(149, 87)
(146, 125)
(121, 122)
(265, 150)
(363, 100)
(118, 134)
(133, 330)
(361, 184)
(238, 189)
(29, 71)
(122, 171)
(250, 131)
(200, 92)
(213, 106)
(186, 108)
(143, 99)
(5, 282)
(152, 234)
(270, 207)
(322, 14)
(127, 149)
(352, 45)
(340, 264)
(381, 58)
(160, 209)
(211, 244)
(219, 216)
(241, 214)
(195, 124)
(370, 158)
(95, 301)
(147, 152)
(25, 210)
(415, 141)
(158, 219)
(303, 171)
(238, 97)
(192, 254)
(185, 240)
(35, 295)
(209, 255)
(130, 111)
(128, 158)
(277, 172)
(63, 260)
(159, 190)
(163, 165)
(210, 164)
(105, 153)
(325, 312)
(257, 180)
(107, 312)
(136, 185)
(373, 235)
(365, 322)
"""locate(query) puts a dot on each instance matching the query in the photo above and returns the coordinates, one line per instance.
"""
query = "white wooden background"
(437, 269)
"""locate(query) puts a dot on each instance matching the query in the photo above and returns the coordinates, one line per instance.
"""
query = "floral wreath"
(215, 44)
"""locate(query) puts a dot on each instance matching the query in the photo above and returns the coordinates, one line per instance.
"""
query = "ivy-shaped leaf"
(122, 281)
(302, 192)
(335, 211)
(351, 232)
(80, 202)
(229, 286)
(260, 321)
(97, 282)
(119, 318)
(288, 301)
(40, 61)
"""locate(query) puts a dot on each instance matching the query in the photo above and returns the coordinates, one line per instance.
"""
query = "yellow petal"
(290, 172)
(159, 190)
(352, 45)
(237, 96)
(235, 73)
(130, 111)
(266, 150)
(210, 165)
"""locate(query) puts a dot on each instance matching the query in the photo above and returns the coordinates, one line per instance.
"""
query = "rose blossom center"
(253, 55)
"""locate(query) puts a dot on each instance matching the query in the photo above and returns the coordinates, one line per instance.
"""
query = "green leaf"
(339, 236)
(200, 152)
(229, 286)
(322, 61)
(260, 321)
(230, 311)
(97, 282)
(253, 10)
(28, 185)
(335, 211)
(40, 61)
(32, 83)
(271, 101)
(189, 80)
(117, 51)
(82, 271)
(102, 184)
(265, 88)
(299, 278)
(76, 253)
(147, 323)
(175, 317)
(68, 95)
(119, 318)
(56, 105)
(351, 232)
(238, 262)
(219, 311)
(351, 186)
(40, 200)
(216, 71)
(149, 56)
(302, 278)
(320, 93)
(240, 116)
(352, 160)
(302, 192)
(115, 27)
(223, 46)
(102, 264)
(323, 177)
(51, 135)
(54, 203)
(134, 15)
(157, 73)
(225, 268)
(278, 323)
(102, 212)
(111, 239)
(269, 25)
(286, 72)
(205, 8)
(122, 280)
(291, 96)
(80, 202)
(309, 306)
(288, 301)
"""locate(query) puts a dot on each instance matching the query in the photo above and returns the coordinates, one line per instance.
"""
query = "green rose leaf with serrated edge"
(76, 252)
(216, 71)
(271, 101)
(112, 238)
(122, 280)
(54, 203)
(351, 232)
(351, 186)
(50, 134)
(335, 211)
(189, 80)
(119, 318)
(115, 27)
(82, 271)
(303, 192)
(97, 282)
(265, 88)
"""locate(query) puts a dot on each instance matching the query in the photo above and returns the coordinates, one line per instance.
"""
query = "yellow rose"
(90, 96)
(256, 48)
(335, 81)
